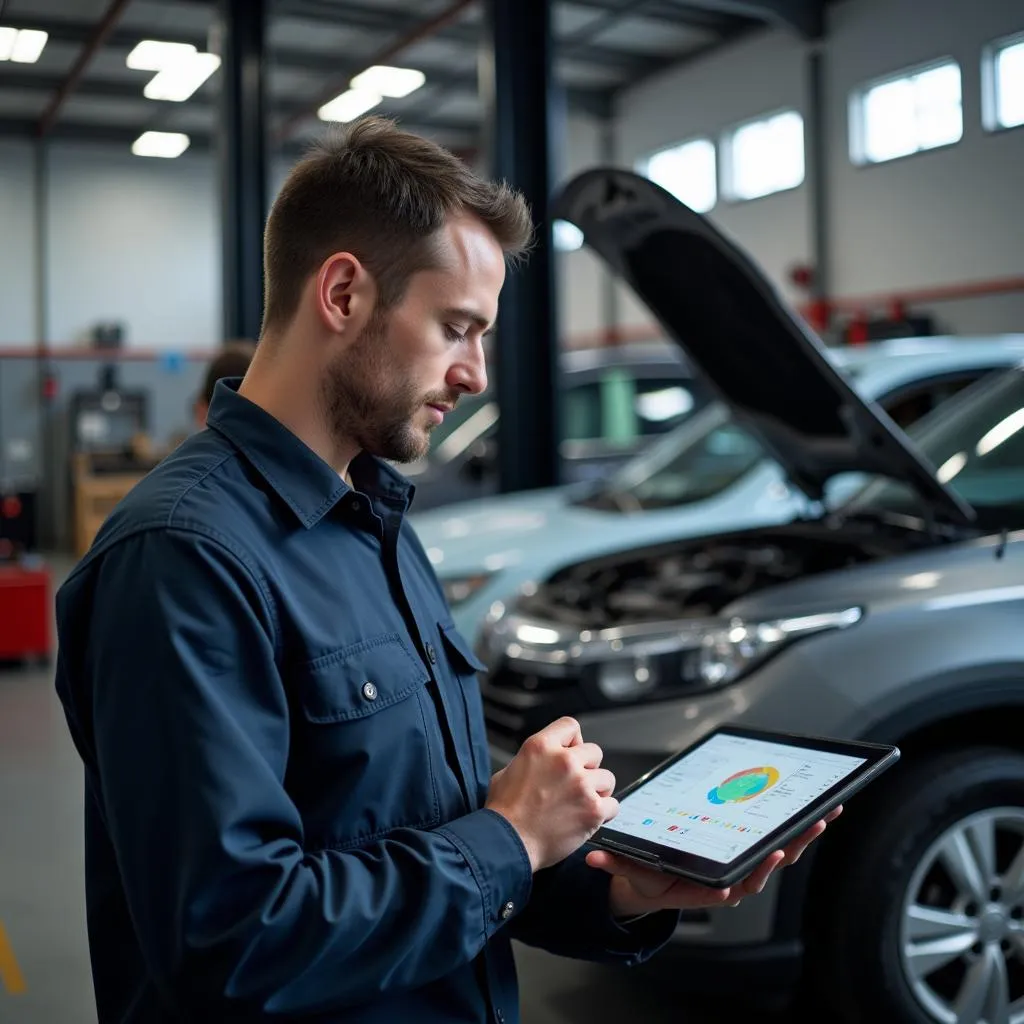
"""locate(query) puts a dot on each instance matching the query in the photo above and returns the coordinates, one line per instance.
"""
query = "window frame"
(989, 98)
(857, 121)
(726, 162)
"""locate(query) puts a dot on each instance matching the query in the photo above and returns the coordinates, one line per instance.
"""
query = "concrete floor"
(42, 905)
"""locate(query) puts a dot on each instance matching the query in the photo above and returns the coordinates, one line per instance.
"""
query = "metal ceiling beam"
(201, 141)
(679, 15)
(115, 90)
(806, 17)
(389, 20)
(95, 43)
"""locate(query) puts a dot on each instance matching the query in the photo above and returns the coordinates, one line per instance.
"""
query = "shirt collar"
(304, 481)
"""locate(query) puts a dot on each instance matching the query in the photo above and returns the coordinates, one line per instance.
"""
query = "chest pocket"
(362, 763)
(462, 666)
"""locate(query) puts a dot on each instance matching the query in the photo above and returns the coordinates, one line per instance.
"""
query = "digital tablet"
(714, 811)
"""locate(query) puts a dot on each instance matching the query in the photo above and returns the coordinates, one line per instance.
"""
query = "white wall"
(136, 240)
(127, 239)
(17, 245)
(581, 278)
(936, 218)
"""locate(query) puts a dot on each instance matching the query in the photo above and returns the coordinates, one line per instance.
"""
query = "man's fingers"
(564, 731)
(588, 755)
(796, 848)
(758, 879)
(604, 781)
(832, 815)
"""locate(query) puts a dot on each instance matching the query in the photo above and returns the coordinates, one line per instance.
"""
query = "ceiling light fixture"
(162, 144)
(349, 105)
(23, 46)
(180, 79)
(388, 81)
(154, 55)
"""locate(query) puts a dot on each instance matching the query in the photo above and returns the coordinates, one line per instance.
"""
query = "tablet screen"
(728, 794)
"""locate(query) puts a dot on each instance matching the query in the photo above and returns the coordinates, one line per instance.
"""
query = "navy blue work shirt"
(285, 757)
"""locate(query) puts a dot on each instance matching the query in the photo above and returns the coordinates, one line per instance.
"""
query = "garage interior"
(865, 155)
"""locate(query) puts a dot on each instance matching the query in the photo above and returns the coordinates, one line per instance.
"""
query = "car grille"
(518, 704)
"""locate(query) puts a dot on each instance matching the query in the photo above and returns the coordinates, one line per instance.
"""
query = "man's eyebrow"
(461, 313)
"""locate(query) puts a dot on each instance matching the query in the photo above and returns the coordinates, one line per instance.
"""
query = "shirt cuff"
(498, 860)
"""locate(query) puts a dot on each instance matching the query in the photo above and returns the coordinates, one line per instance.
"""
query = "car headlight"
(728, 652)
(462, 588)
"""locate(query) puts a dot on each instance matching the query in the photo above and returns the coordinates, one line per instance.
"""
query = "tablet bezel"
(718, 874)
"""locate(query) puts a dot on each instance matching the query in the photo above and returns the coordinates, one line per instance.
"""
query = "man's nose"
(469, 374)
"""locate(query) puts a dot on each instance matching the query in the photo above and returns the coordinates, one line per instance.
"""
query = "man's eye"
(452, 334)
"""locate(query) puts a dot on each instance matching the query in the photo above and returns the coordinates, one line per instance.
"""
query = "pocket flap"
(359, 679)
(460, 649)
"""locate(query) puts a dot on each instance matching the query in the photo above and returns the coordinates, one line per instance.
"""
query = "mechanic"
(290, 812)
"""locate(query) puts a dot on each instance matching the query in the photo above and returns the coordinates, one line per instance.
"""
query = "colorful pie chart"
(744, 785)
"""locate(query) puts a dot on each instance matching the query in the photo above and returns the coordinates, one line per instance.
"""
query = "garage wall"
(139, 241)
(17, 244)
(133, 240)
(581, 278)
(935, 218)
(756, 76)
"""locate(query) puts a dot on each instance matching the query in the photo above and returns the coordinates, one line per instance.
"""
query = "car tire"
(888, 869)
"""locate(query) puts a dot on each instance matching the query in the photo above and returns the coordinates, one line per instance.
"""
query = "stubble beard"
(366, 401)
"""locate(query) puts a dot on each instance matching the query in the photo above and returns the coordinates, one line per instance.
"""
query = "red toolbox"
(25, 612)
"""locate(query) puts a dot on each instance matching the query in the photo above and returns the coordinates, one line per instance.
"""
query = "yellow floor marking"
(10, 973)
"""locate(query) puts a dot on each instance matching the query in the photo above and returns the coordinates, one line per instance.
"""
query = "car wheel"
(918, 913)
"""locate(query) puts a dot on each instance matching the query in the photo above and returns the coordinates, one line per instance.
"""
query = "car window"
(907, 405)
(977, 448)
(582, 412)
(661, 404)
(711, 453)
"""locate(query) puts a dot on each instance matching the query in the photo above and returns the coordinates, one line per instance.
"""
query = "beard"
(366, 400)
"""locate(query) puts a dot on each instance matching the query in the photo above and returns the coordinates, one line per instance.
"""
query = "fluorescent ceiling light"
(349, 105)
(22, 46)
(154, 55)
(165, 144)
(388, 81)
(179, 80)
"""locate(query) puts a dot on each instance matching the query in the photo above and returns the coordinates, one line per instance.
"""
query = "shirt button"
(369, 691)
(499, 1017)
(507, 910)
(356, 505)
(431, 654)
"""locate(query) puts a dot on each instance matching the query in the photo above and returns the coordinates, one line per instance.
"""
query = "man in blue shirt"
(289, 807)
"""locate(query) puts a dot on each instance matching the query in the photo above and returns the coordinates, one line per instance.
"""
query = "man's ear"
(344, 294)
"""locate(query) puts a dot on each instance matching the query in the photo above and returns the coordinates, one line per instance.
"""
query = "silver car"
(897, 616)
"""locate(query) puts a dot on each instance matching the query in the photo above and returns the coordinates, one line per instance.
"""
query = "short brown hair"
(382, 194)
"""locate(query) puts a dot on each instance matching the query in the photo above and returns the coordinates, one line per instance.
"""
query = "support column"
(521, 112)
(242, 160)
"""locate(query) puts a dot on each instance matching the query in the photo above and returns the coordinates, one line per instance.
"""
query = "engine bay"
(699, 578)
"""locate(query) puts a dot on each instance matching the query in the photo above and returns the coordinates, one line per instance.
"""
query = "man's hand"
(638, 890)
(554, 792)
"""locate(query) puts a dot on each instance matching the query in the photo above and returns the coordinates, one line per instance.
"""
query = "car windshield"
(471, 417)
(976, 444)
(696, 461)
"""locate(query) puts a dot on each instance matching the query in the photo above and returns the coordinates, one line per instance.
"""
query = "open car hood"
(752, 349)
